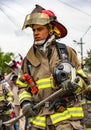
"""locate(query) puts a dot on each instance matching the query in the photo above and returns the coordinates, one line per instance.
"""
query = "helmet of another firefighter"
(42, 16)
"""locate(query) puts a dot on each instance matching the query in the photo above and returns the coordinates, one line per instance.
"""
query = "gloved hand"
(27, 109)
(59, 105)
(74, 87)
(67, 85)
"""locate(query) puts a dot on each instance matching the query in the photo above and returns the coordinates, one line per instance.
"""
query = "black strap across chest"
(62, 53)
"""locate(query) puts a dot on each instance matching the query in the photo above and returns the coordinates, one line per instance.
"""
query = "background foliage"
(87, 61)
(5, 57)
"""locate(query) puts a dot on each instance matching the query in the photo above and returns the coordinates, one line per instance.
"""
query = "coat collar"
(31, 56)
(34, 50)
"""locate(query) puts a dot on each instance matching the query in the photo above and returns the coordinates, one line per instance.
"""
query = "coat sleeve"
(73, 58)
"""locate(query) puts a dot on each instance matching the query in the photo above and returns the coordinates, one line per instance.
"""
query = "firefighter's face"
(40, 32)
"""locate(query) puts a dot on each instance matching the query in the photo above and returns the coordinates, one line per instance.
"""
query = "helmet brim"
(42, 16)
(62, 29)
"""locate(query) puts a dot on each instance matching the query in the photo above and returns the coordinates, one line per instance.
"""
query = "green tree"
(5, 57)
(87, 60)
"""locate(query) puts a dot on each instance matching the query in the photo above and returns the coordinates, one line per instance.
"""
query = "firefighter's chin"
(39, 42)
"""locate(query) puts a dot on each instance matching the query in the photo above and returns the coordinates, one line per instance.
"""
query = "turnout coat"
(41, 69)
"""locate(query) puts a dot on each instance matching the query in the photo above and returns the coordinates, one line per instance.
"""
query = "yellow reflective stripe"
(10, 94)
(81, 72)
(23, 95)
(2, 98)
(89, 102)
(89, 86)
(76, 111)
(43, 80)
(44, 83)
(67, 114)
(57, 117)
(85, 102)
(87, 128)
(80, 83)
(39, 121)
(10, 98)
(20, 83)
(44, 86)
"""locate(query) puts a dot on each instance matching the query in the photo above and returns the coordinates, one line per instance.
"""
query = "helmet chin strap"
(39, 43)
(43, 43)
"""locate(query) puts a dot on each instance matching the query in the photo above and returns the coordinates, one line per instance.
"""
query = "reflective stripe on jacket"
(23, 95)
(2, 98)
(85, 101)
(44, 83)
(41, 68)
(72, 112)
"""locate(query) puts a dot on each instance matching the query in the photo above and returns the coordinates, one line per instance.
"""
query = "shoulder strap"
(28, 64)
(62, 51)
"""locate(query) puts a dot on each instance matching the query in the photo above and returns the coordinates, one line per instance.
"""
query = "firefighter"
(17, 109)
(43, 64)
(6, 98)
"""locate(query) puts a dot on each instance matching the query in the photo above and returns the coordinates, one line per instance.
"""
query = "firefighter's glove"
(68, 86)
(59, 105)
(87, 92)
(27, 109)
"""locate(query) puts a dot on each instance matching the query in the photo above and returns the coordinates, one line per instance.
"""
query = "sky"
(75, 15)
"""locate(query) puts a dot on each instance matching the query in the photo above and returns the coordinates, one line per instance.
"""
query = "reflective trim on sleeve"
(80, 84)
(2, 98)
(67, 114)
(39, 121)
(57, 117)
(23, 95)
(10, 94)
(20, 83)
(76, 111)
(81, 73)
(10, 99)
(85, 101)
(44, 83)
(88, 128)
